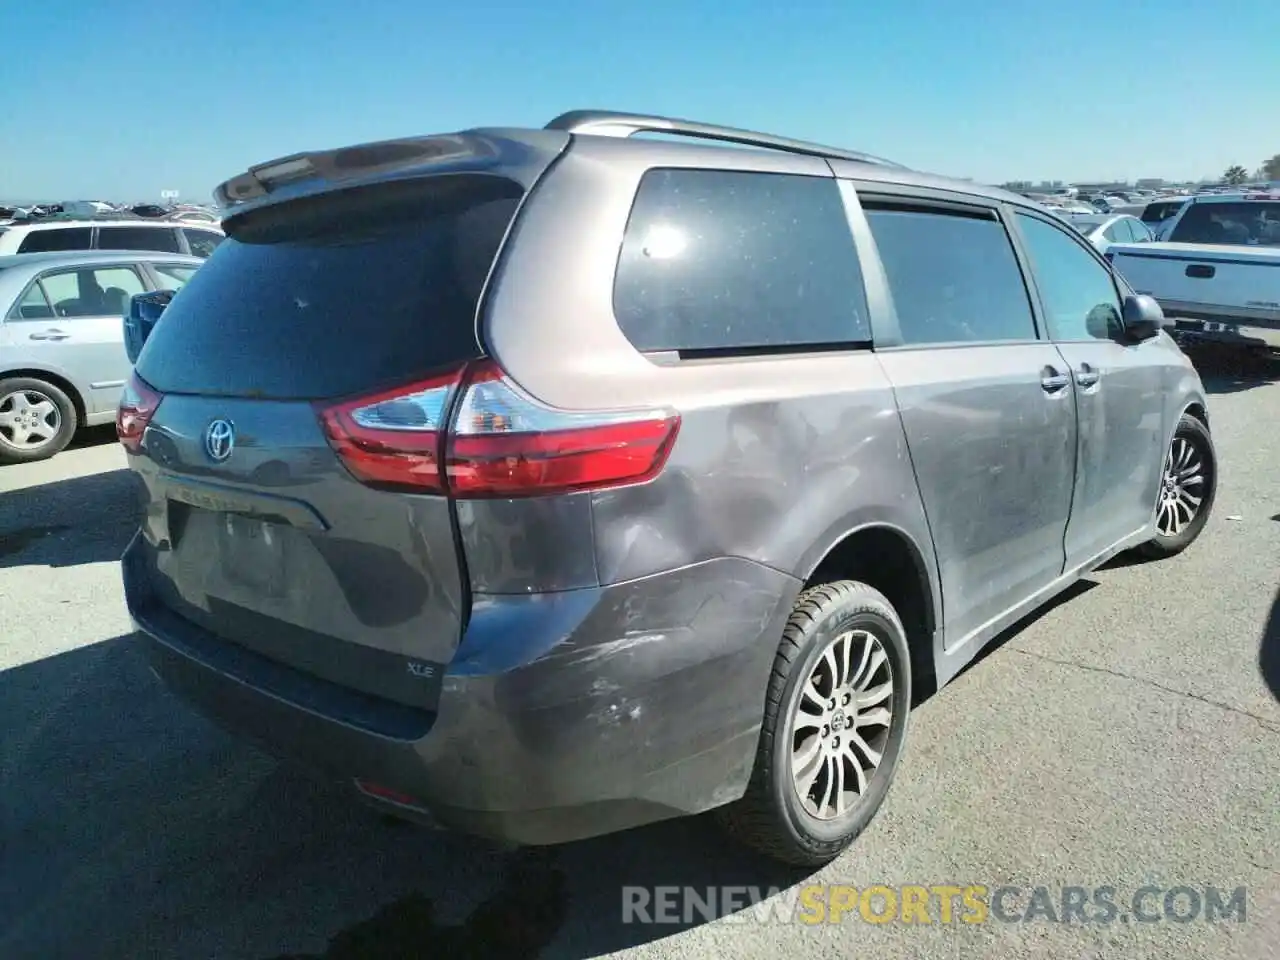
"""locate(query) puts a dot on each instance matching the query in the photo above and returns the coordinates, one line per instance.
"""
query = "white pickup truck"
(1217, 276)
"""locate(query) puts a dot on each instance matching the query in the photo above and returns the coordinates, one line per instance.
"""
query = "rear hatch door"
(257, 532)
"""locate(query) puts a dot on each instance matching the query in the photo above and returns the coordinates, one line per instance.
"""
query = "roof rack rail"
(611, 123)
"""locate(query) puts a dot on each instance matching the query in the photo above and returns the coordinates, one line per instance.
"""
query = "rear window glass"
(161, 239)
(337, 295)
(1247, 222)
(720, 260)
(1155, 212)
(44, 241)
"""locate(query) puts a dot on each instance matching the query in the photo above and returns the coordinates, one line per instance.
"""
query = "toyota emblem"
(219, 440)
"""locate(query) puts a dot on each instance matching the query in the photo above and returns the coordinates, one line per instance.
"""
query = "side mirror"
(1143, 318)
(144, 313)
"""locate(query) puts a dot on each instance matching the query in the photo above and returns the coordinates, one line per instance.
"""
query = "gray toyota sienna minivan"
(543, 483)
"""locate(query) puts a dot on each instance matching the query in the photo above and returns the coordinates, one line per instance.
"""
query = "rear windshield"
(1247, 222)
(1155, 212)
(333, 296)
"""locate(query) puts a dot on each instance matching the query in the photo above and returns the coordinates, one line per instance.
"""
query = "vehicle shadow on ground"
(133, 828)
(86, 519)
(93, 437)
(1269, 649)
(1225, 371)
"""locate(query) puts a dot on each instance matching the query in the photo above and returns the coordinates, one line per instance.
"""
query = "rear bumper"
(562, 716)
(1239, 333)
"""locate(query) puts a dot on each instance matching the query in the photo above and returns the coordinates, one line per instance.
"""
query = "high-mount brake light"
(138, 404)
(501, 442)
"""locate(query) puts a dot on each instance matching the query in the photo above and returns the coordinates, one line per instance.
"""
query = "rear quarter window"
(720, 260)
(327, 297)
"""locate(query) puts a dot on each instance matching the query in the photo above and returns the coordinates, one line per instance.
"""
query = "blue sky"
(120, 99)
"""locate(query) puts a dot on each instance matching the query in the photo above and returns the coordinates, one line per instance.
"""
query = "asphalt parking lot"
(1128, 736)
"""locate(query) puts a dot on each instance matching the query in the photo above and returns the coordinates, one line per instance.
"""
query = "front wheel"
(37, 420)
(834, 726)
(1188, 484)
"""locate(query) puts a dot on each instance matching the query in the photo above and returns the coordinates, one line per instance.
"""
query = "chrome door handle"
(1087, 376)
(1052, 380)
(49, 335)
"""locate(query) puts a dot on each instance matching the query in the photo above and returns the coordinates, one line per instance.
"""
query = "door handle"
(1052, 381)
(49, 335)
(1087, 376)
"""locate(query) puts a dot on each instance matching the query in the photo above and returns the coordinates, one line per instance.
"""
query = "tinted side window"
(202, 242)
(162, 239)
(720, 260)
(71, 238)
(1079, 297)
(1117, 232)
(953, 278)
(1245, 222)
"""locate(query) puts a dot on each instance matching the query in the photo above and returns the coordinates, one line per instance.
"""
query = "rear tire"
(1188, 485)
(837, 700)
(37, 420)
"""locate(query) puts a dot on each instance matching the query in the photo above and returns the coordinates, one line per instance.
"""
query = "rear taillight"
(502, 442)
(393, 438)
(138, 404)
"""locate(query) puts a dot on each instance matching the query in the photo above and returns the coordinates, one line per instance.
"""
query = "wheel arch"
(55, 379)
(886, 557)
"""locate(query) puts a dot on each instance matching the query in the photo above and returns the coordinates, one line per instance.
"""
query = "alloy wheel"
(841, 724)
(1182, 487)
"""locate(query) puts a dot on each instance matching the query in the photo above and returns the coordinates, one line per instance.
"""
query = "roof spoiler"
(342, 164)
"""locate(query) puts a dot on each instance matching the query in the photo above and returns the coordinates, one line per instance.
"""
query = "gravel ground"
(1128, 736)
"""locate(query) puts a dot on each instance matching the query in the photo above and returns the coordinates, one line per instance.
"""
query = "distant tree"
(1271, 169)
(1235, 174)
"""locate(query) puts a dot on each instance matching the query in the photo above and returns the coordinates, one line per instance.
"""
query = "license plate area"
(251, 553)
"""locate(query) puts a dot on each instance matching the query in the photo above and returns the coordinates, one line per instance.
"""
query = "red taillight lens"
(502, 442)
(393, 438)
(138, 404)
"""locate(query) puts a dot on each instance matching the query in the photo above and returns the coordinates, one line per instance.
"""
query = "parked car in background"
(62, 356)
(90, 234)
(1102, 230)
(1218, 276)
(542, 483)
(1157, 214)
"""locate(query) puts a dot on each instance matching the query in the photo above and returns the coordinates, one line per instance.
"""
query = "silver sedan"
(1105, 229)
(62, 357)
